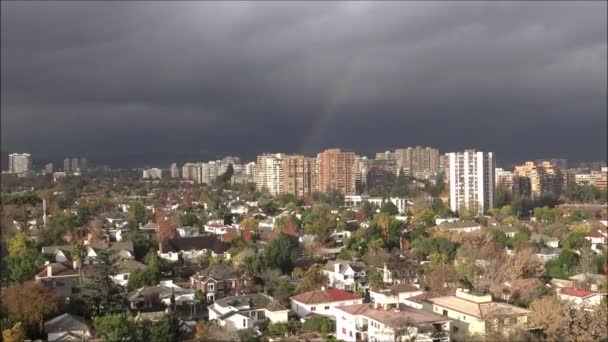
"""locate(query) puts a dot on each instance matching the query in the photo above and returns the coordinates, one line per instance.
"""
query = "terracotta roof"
(524, 285)
(574, 292)
(58, 270)
(324, 296)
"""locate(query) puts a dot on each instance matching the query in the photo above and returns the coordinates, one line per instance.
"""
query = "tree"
(32, 301)
(114, 327)
(278, 254)
(249, 223)
(166, 329)
(389, 208)
(24, 265)
(575, 240)
(319, 324)
(523, 264)
(269, 207)
(101, 294)
(139, 213)
(313, 279)
(79, 253)
(189, 219)
(549, 314)
(546, 215)
(166, 230)
(14, 334)
(17, 243)
(564, 266)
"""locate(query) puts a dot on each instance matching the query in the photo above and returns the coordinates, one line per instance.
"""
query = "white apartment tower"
(270, 173)
(471, 177)
(174, 170)
(19, 162)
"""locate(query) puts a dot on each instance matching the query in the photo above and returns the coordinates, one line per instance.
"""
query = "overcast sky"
(135, 83)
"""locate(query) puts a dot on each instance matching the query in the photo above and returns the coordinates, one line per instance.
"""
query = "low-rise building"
(191, 248)
(376, 323)
(188, 231)
(246, 311)
(219, 281)
(395, 294)
(159, 297)
(345, 275)
(477, 314)
(67, 327)
(580, 298)
(322, 302)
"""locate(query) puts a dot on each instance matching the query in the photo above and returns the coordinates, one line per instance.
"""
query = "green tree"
(114, 327)
(24, 265)
(279, 254)
(389, 208)
(499, 236)
(139, 213)
(547, 215)
(564, 266)
(101, 294)
(319, 324)
(269, 207)
(575, 240)
(166, 329)
(189, 219)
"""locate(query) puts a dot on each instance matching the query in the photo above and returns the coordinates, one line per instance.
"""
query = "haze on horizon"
(133, 83)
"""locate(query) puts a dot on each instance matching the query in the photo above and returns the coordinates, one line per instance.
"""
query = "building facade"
(544, 177)
(19, 162)
(471, 181)
(336, 171)
(419, 162)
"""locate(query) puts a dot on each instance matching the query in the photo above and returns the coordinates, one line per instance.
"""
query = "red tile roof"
(324, 296)
(574, 292)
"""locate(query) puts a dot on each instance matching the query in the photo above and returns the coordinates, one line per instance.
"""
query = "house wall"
(237, 322)
(325, 309)
(277, 316)
(463, 322)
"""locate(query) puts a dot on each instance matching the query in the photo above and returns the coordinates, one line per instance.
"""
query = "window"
(445, 312)
(244, 323)
(313, 308)
(350, 333)
(327, 308)
(454, 329)
(344, 331)
(513, 320)
(210, 287)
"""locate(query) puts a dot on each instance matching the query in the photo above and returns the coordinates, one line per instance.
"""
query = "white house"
(322, 302)
(217, 229)
(395, 294)
(390, 322)
(580, 297)
(344, 275)
(188, 231)
(461, 227)
(547, 240)
(246, 311)
(598, 238)
(124, 269)
(191, 248)
(67, 327)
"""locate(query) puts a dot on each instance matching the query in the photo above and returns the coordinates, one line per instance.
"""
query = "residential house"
(461, 227)
(545, 240)
(149, 227)
(598, 238)
(477, 314)
(394, 294)
(219, 281)
(390, 322)
(55, 271)
(192, 248)
(159, 296)
(216, 228)
(188, 231)
(591, 281)
(67, 327)
(124, 268)
(345, 275)
(580, 297)
(547, 253)
(322, 302)
(246, 311)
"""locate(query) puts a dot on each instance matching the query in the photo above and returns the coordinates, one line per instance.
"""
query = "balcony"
(361, 327)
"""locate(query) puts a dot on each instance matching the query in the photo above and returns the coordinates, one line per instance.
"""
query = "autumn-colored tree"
(94, 231)
(589, 325)
(14, 334)
(313, 249)
(249, 223)
(360, 216)
(166, 230)
(17, 243)
(33, 301)
(523, 264)
(313, 279)
(549, 314)
(289, 227)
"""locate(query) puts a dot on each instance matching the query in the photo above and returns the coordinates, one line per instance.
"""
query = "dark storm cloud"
(137, 82)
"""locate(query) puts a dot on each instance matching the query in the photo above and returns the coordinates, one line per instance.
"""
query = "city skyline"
(524, 80)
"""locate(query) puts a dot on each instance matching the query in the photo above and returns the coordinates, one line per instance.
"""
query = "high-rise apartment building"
(270, 173)
(19, 162)
(84, 165)
(504, 178)
(174, 170)
(153, 173)
(419, 162)
(67, 165)
(298, 175)
(544, 177)
(74, 165)
(601, 180)
(471, 180)
(521, 187)
(387, 155)
(48, 168)
(336, 171)
(189, 171)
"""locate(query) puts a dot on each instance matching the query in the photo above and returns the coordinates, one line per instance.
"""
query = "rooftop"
(574, 292)
(394, 316)
(324, 296)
